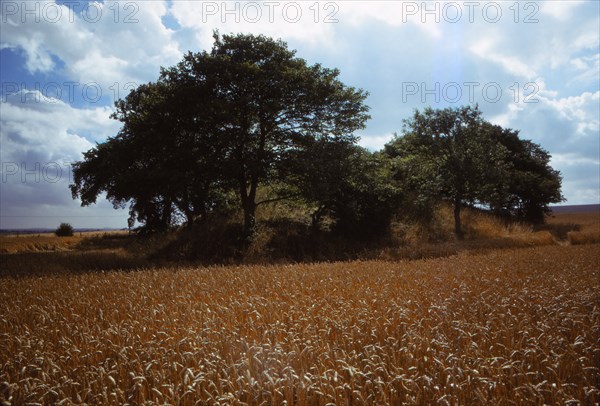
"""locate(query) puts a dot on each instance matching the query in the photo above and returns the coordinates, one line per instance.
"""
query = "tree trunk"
(249, 206)
(166, 215)
(249, 219)
(457, 225)
(316, 217)
(249, 183)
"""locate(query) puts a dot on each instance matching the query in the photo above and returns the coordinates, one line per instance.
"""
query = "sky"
(533, 66)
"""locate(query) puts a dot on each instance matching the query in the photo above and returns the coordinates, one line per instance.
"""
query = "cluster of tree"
(219, 125)
(454, 155)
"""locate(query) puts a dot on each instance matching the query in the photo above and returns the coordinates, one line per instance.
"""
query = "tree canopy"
(219, 120)
(250, 114)
(347, 183)
(453, 154)
(527, 183)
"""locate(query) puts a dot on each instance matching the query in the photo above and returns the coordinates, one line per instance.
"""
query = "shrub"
(64, 230)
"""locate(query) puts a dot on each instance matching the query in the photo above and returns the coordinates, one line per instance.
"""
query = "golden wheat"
(44, 242)
(507, 327)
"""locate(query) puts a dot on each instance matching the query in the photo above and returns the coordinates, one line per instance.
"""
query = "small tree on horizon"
(64, 230)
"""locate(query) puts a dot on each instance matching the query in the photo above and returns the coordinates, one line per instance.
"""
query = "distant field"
(579, 227)
(585, 216)
(576, 227)
(514, 326)
(582, 208)
(43, 242)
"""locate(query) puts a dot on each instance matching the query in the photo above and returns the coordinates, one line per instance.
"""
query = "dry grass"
(517, 326)
(583, 237)
(481, 230)
(16, 243)
(577, 228)
(36, 243)
(586, 221)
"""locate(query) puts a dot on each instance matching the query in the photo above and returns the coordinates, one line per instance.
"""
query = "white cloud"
(582, 191)
(573, 159)
(289, 20)
(504, 119)
(38, 59)
(40, 138)
(375, 142)
(511, 64)
(560, 10)
(578, 186)
(92, 46)
(427, 18)
(582, 110)
(49, 128)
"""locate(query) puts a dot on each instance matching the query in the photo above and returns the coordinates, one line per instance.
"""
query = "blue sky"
(532, 66)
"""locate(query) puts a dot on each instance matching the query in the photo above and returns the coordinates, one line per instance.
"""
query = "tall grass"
(515, 326)
(577, 228)
(281, 239)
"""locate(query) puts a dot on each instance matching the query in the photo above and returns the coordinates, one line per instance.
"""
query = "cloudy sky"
(532, 66)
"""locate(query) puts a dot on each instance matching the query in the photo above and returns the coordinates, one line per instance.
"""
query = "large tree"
(273, 100)
(228, 118)
(444, 155)
(162, 161)
(453, 154)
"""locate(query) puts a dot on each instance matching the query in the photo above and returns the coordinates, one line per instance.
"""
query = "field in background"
(283, 241)
(577, 227)
(511, 326)
(44, 242)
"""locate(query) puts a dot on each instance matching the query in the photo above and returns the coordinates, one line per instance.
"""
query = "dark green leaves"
(218, 122)
(453, 154)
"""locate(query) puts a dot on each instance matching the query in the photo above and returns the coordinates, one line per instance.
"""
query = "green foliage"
(454, 155)
(264, 102)
(367, 199)
(64, 230)
(163, 162)
(527, 183)
(348, 184)
(249, 115)
(218, 122)
(443, 155)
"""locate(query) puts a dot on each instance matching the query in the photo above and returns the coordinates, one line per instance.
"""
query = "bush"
(64, 230)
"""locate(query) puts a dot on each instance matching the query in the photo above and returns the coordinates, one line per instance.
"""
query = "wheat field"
(515, 326)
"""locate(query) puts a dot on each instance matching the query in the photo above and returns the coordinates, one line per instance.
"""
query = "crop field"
(512, 326)
(578, 228)
(44, 242)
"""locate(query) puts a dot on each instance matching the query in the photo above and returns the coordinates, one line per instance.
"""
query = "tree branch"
(277, 199)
